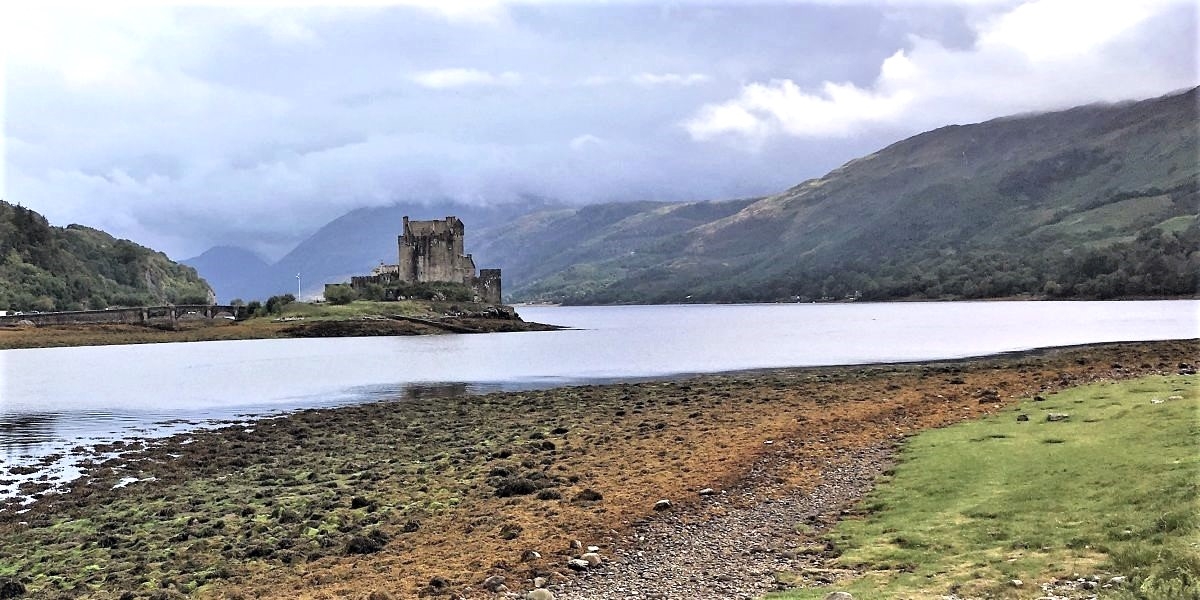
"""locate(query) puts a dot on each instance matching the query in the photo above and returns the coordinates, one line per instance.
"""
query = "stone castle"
(433, 251)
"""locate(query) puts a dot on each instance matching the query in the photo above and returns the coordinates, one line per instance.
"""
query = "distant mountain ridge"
(1092, 202)
(48, 268)
(351, 244)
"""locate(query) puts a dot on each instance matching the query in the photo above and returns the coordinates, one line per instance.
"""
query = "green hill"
(1098, 201)
(50, 268)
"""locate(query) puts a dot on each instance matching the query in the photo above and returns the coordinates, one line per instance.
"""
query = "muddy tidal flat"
(53, 336)
(477, 496)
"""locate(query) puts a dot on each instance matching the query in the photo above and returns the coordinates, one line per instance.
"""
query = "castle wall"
(487, 286)
(433, 251)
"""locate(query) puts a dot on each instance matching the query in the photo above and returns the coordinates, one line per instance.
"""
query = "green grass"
(1177, 224)
(358, 308)
(1113, 490)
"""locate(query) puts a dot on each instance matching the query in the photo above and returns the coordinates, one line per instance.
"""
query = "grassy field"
(1112, 490)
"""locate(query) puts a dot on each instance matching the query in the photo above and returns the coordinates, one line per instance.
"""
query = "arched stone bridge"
(137, 315)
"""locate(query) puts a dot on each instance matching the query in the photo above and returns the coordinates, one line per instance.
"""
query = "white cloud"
(581, 142)
(1039, 55)
(670, 79)
(453, 78)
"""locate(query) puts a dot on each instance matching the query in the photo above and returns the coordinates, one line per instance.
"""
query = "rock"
(529, 555)
(1175, 397)
(578, 564)
(593, 559)
(540, 594)
(1016, 583)
(593, 548)
(838, 596)
(1022, 417)
(494, 583)
(1087, 585)
(587, 495)
(1039, 398)
(707, 492)
(539, 582)
(1118, 580)
(663, 504)
(11, 588)
(1057, 417)
(576, 544)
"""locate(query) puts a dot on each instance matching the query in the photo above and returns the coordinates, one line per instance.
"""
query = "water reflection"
(22, 433)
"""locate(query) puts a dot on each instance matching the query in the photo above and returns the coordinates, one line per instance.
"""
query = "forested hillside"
(1099, 201)
(48, 268)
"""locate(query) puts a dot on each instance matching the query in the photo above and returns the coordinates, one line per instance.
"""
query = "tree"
(340, 294)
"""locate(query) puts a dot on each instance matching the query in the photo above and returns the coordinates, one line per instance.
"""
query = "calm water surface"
(58, 399)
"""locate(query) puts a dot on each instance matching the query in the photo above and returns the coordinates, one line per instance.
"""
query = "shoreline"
(437, 467)
(113, 334)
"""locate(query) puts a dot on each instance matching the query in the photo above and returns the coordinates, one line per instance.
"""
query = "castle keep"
(431, 251)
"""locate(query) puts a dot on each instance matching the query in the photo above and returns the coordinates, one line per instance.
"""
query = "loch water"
(57, 404)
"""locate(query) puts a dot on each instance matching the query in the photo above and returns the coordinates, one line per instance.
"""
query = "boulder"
(494, 583)
(539, 594)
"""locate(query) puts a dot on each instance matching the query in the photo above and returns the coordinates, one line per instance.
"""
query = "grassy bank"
(1112, 491)
(297, 319)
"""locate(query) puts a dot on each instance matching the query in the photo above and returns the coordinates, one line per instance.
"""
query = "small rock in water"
(663, 504)
(540, 594)
(1057, 416)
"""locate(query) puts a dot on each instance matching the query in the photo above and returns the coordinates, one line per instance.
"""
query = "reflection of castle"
(433, 251)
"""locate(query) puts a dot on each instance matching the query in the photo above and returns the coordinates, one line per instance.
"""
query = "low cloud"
(670, 78)
(1039, 55)
(441, 79)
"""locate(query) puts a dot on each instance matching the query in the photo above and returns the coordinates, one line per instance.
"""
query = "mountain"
(48, 268)
(351, 244)
(229, 268)
(1095, 201)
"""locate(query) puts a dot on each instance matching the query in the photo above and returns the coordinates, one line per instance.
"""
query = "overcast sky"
(186, 127)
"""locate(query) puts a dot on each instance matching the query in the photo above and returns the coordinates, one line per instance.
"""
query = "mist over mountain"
(1095, 201)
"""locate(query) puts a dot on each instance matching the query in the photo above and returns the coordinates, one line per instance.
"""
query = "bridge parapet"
(136, 315)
